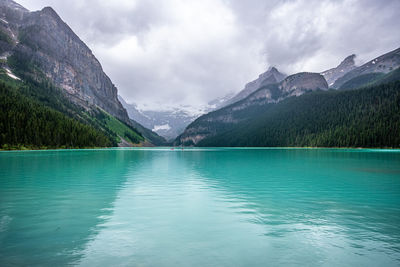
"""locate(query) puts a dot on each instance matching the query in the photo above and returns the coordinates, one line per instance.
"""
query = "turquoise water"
(200, 207)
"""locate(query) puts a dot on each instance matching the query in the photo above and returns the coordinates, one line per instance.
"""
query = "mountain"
(48, 42)
(344, 67)
(383, 64)
(387, 78)
(219, 102)
(367, 117)
(170, 123)
(362, 80)
(271, 76)
(26, 123)
(371, 79)
(152, 137)
(166, 123)
(51, 66)
(301, 111)
(229, 117)
(134, 113)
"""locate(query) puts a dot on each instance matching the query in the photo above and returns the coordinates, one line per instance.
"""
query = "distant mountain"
(134, 113)
(152, 137)
(228, 117)
(172, 122)
(367, 117)
(271, 76)
(301, 111)
(39, 51)
(298, 112)
(54, 93)
(344, 67)
(219, 102)
(166, 123)
(383, 64)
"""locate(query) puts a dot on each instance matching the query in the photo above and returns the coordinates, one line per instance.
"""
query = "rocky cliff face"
(293, 85)
(45, 41)
(344, 67)
(212, 123)
(383, 64)
(271, 76)
(299, 83)
(11, 15)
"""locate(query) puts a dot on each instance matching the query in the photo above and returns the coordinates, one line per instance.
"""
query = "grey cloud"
(324, 32)
(189, 52)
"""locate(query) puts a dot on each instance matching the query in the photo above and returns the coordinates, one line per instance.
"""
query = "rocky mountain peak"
(347, 65)
(274, 72)
(382, 64)
(300, 82)
(50, 12)
(271, 76)
(49, 43)
(291, 86)
(11, 14)
(13, 5)
(272, 69)
(348, 61)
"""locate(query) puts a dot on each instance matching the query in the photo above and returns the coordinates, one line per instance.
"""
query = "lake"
(200, 207)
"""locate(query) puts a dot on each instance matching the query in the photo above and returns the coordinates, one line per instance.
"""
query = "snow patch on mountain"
(11, 75)
(161, 127)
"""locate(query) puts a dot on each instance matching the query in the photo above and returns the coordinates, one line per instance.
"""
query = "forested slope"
(38, 97)
(366, 117)
(26, 123)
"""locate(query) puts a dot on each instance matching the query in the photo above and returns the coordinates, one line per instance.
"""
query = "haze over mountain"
(173, 53)
(272, 75)
(167, 123)
(299, 111)
(170, 122)
(270, 92)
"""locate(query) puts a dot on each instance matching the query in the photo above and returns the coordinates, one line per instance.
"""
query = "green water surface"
(200, 207)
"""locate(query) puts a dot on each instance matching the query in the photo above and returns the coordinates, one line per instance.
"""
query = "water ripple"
(200, 207)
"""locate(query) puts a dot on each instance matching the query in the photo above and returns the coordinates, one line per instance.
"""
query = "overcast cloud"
(168, 52)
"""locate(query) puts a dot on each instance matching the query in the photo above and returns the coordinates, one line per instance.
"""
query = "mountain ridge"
(272, 75)
(364, 117)
(331, 75)
(207, 125)
(230, 121)
(381, 64)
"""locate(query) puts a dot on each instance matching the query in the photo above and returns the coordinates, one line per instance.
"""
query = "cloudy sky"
(167, 52)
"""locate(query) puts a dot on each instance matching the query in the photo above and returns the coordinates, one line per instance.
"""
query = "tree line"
(25, 122)
(367, 117)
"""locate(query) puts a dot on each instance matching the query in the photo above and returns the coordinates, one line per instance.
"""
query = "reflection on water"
(52, 202)
(200, 207)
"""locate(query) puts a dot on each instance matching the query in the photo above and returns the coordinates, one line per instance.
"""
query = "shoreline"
(192, 148)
